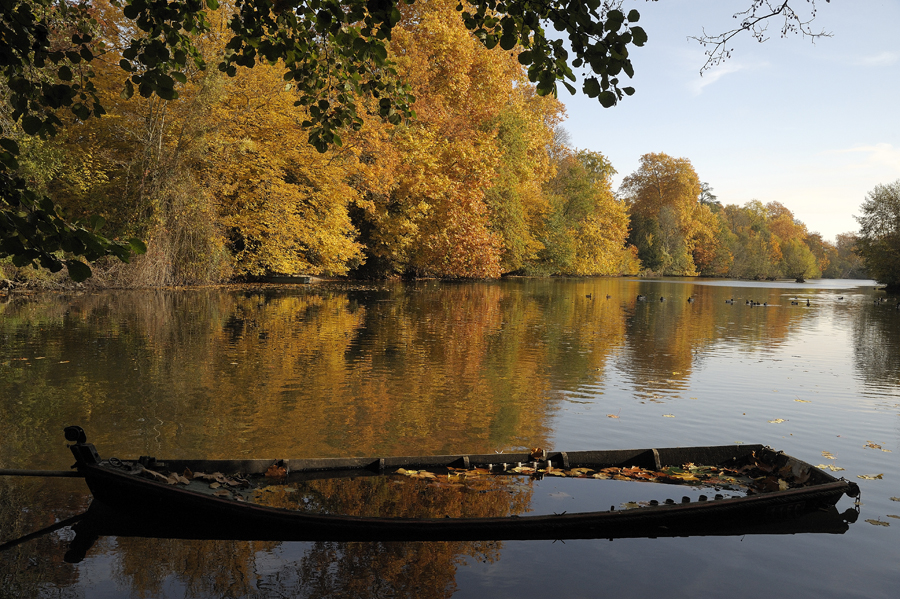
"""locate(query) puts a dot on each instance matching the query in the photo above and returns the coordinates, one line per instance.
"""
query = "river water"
(345, 369)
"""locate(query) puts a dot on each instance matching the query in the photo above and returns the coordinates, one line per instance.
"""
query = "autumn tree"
(586, 229)
(879, 234)
(334, 52)
(846, 263)
(663, 200)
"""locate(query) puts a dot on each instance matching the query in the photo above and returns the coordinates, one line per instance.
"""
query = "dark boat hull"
(151, 501)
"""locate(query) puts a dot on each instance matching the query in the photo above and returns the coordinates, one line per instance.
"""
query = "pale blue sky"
(811, 125)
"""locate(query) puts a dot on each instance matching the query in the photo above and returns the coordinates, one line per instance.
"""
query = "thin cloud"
(882, 154)
(709, 77)
(884, 59)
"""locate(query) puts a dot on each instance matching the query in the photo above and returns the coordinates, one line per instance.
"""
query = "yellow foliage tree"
(425, 183)
(663, 198)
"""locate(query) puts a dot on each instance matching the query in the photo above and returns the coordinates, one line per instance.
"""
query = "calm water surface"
(437, 368)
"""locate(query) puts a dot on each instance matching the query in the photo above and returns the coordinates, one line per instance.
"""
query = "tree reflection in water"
(332, 569)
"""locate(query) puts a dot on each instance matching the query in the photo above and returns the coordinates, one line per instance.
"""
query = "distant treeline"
(223, 185)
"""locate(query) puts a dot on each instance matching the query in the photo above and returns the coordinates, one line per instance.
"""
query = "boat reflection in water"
(100, 521)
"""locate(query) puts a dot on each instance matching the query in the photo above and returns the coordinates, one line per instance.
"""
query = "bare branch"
(755, 21)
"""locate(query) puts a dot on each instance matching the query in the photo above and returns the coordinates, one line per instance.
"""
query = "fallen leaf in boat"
(831, 467)
(668, 415)
(630, 470)
(478, 471)
(685, 476)
(600, 475)
(778, 421)
(182, 480)
(580, 471)
(537, 453)
(188, 474)
(870, 476)
(878, 523)
(630, 505)
(222, 493)
(405, 471)
(555, 473)
(276, 471)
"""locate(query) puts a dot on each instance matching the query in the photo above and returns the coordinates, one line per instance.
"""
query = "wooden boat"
(188, 494)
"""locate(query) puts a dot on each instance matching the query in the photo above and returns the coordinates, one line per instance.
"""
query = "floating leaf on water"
(668, 415)
(802, 401)
(878, 523)
(893, 516)
(778, 421)
(870, 476)
(829, 455)
(895, 498)
(831, 467)
(612, 415)
(871, 445)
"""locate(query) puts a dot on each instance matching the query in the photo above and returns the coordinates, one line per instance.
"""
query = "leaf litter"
(751, 475)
